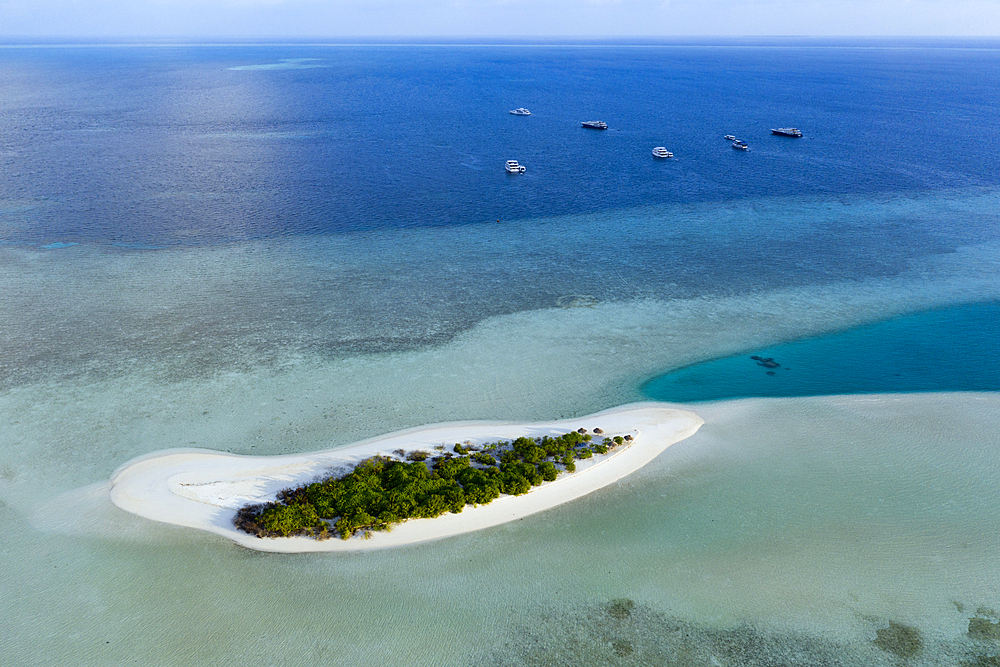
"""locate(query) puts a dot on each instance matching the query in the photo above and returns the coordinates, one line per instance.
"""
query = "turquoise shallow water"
(946, 349)
(795, 526)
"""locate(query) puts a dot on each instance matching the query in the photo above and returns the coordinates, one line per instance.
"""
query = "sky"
(495, 18)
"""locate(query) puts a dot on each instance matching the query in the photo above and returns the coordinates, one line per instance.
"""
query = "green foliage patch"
(382, 491)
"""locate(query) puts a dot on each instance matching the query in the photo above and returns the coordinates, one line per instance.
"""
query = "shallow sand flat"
(202, 489)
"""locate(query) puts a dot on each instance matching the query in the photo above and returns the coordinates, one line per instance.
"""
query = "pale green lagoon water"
(787, 531)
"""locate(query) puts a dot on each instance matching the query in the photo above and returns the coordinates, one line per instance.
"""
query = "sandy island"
(203, 489)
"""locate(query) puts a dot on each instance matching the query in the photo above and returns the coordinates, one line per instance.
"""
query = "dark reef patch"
(620, 609)
(625, 633)
(901, 640)
(983, 629)
(622, 647)
(982, 661)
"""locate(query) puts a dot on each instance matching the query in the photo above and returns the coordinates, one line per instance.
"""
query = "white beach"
(202, 489)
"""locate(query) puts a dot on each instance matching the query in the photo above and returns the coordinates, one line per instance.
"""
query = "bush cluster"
(383, 491)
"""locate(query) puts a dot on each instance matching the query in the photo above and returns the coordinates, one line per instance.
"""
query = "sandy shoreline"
(202, 489)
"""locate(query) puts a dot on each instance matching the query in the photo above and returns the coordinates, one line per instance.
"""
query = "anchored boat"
(513, 167)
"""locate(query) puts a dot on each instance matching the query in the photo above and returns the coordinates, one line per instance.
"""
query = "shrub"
(509, 458)
(525, 448)
(527, 471)
(352, 522)
(450, 468)
(484, 459)
(513, 484)
(533, 454)
(290, 519)
(548, 471)
(480, 486)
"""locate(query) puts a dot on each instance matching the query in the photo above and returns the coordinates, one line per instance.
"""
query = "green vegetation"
(382, 491)
(484, 458)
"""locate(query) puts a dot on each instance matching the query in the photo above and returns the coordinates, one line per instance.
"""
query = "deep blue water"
(164, 146)
(946, 349)
(370, 178)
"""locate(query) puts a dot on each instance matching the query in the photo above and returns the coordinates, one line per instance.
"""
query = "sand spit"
(202, 489)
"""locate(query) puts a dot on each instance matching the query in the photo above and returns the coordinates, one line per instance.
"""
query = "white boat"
(741, 145)
(595, 124)
(729, 137)
(520, 112)
(513, 167)
(787, 132)
(660, 151)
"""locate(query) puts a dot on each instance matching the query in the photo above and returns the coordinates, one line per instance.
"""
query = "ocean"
(272, 248)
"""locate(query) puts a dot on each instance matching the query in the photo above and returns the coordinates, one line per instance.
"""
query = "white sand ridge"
(203, 489)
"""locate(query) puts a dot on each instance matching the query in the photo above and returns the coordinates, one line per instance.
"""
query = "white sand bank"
(203, 489)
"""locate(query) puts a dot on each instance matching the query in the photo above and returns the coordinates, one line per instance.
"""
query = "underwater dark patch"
(625, 633)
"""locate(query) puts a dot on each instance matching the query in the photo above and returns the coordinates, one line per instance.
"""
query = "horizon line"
(26, 41)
